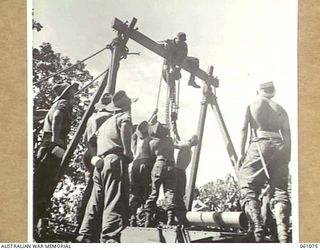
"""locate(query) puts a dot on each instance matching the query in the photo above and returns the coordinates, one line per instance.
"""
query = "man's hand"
(126, 134)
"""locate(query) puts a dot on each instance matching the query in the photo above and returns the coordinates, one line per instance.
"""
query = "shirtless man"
(183, 160)
(163, 172)
(141, 170)
(270, 129)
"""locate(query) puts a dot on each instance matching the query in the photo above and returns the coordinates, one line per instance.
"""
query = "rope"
(167, 111)
(40, 114)
(159, 89)
(158, 98)
(178, 95)
(90, 83)
(61, 71)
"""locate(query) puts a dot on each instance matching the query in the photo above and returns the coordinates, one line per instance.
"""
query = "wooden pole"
(81, 128)
(108, 84)
(159, 49)
(225, 134)
(196, 157)
(118, 49)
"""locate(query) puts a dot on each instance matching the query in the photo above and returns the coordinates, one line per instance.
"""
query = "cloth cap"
(182, 36)
(120, 101)
(61, 89)
(104, 101)
(266, 89)
(158, 130)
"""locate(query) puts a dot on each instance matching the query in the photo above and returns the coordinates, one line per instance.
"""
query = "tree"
(45, 63)
(36, 25)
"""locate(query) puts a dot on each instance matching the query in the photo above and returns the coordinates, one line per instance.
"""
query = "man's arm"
(134, 141)
(126, 133)
(286, 135)
(181, 145)
(56, 126)
(244, 134)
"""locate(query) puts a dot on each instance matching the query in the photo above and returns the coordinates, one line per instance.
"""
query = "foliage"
(221, 195)
(45, 63)
(35, 24)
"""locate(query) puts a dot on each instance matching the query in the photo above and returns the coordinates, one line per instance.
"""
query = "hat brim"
(74, 85)
(111, 107)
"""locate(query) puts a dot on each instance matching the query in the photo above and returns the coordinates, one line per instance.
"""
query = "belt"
(166, 161)
(267, 139)
(268, 135)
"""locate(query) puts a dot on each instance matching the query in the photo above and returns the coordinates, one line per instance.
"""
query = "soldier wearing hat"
(163, 172)
(99, 116)
(108, 207)
(56, 127)
(141, 170)
(268, 154)
(177, 51)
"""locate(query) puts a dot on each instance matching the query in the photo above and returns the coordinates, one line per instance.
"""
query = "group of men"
(112, 144)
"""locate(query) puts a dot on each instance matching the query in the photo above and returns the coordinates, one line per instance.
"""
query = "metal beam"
(158, 49)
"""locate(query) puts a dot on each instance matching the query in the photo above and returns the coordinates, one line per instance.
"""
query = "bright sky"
(248, 42)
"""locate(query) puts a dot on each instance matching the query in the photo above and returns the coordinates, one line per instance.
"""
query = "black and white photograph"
(157, 121)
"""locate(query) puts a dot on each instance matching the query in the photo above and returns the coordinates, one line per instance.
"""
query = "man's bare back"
(268, 152)
(266, 115)
(142, 148)
(163, 147)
